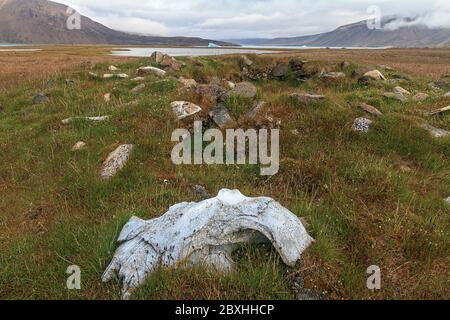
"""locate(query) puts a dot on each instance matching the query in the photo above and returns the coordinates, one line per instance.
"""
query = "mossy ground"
(361, 207)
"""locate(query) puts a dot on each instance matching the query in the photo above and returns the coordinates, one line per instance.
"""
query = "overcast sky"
(228, 19)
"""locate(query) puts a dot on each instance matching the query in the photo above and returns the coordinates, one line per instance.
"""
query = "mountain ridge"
(359, 35)
(44, 22)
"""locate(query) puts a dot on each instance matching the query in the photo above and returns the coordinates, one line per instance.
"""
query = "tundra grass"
(374, 199)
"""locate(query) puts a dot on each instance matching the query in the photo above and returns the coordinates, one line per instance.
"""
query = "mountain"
(359, 35)
(45, 22)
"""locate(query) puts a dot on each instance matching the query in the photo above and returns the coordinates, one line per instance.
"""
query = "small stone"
(229, 85)
(221, 116)
(280, 70)
(401, 91)
(436, 132)
(137, 79)
(92, 119)
(138, 89)
(93, 75)
(107, 97)
(188, 83)
(202, 192)
(184, 109)
(370, 109)
(69, 82)
(446, 95)
(333, 75)
(108, 76)
(306, 97)
(41, 98)
(362, 125)
(151, 70)
(374, 74)
(396, 96)
(246, 61)
(255, 110)
(122, 76)
(113, 68)
(242, 89)
(116, 161)
(80, 145)
(421, 96)
(447, 200)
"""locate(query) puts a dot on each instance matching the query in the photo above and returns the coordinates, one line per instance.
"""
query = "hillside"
(358, 35)
(44, 22)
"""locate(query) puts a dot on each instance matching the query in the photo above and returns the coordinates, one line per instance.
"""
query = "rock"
(333, 75)
(138, 89)
(107, 97)
(188, 83)
(122, 76)
(436, 132)
(370, 109)
(157, 57)
(205, 233)
(142, 71)
(447, 200)
(255, 110)
(80, 145)
(345, 64)
(221, 116)
(41, 98)
(245, 61)
(374, 75)
(439, 111)
(184, 109)
(113, 68)
(306, 97)
(137, 79)
(280, 70)
(420, 96)
(93, 119)
(229, 84)
(362, 125)
(401, 91)
(195, 62)
(116, 161)
(242, 89)
(301, 70)
(170, 63)
(118, 76)
(396, 96)
(446, 95)
(93, 75)
(69, 82)
(209, 94)
(108, 76)
(201, 192)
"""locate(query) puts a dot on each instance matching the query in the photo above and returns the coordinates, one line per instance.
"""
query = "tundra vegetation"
(372, 196)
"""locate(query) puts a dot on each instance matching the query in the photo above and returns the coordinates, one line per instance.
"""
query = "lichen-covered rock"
(306, 97)
(402, 91)
(421, 96)
(209, 94)
(395, 95)
(138, 89)
(436, 132)
(41, 98)
(184, 109)
(142, 71)
(221, 116)
(206, 232)
(370, 109)
(280, 70)
(188, 83)
(333, 75)
(242, 89)
(116, 161)
(362, 125)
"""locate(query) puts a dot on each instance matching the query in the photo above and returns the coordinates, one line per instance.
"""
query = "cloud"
(227, 19)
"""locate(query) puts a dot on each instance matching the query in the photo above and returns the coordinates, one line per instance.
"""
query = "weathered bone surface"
(206, 232)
